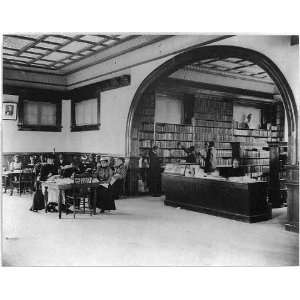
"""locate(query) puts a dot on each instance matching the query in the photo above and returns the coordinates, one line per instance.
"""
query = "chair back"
(27, 175)
(81, 183)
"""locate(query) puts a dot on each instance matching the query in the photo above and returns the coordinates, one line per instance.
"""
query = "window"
(39, 115)
(85, 113)
(168, 109)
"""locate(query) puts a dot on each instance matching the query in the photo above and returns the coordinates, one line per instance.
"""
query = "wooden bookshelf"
(213, 121)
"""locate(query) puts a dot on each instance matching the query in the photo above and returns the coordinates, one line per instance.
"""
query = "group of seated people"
(107, 170)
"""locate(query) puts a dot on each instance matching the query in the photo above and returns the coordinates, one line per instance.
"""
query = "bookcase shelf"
(212, 121)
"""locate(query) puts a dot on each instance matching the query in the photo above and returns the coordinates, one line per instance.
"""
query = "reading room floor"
(142, 232)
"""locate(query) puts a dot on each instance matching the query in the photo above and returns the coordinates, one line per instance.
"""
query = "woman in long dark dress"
(155, 172)
(46, 170)
(211, 158)
(105, 199)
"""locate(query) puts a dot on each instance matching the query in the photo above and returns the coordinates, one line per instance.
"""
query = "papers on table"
(242, 179)
(104, 185)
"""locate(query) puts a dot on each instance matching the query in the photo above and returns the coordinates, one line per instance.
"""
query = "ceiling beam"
(214, 87)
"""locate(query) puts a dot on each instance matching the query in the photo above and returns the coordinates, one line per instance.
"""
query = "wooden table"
(7, 175)
(63, 185)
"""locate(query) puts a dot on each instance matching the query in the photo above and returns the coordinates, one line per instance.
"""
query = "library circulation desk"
(242, 201)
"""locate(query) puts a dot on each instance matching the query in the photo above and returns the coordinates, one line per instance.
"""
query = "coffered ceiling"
(60, 53)
(235, 67)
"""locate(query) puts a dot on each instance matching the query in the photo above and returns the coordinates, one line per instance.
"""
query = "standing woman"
(211, 158)
(155, 172)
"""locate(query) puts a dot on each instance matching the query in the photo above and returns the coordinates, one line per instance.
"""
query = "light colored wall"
(34, 141)
(115, 104)
(111, 136)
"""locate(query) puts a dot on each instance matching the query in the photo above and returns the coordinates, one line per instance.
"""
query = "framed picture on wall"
(9, 111)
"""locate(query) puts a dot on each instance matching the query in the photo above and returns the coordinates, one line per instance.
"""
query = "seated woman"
(74, 168)
(97, 161)
(46, 170)
(32, 161)
(104, 174)
(90, 164)
(60, 162)
(118, 177)
(16, 164)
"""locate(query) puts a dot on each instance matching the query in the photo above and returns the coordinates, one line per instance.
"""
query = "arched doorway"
(223, 52)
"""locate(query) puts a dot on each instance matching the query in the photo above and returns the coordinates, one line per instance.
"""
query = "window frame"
(40, 97)
(83, 97)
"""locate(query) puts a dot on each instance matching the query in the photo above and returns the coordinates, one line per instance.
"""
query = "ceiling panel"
(75, 46)
(93, 38)
(53, 51)
(46, 45)
(55, 56)
(232, 65)
(55, 39)
(15, 43)
(43, 62)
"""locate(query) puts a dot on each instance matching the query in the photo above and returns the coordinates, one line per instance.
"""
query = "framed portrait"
(9, 111)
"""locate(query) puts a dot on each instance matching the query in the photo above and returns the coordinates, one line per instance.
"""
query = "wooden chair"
(22, 182)
(80, 195)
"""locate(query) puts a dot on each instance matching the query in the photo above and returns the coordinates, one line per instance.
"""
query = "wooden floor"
(142, 232)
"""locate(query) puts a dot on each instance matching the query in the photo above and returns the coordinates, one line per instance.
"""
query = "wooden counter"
(240, 201)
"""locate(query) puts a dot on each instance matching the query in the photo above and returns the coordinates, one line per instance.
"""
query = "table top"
(232, 180)
(66, 183)
(6, 173)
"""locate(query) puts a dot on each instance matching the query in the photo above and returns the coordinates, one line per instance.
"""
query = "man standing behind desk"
(155, 172)
(211, 158)
(191, 157)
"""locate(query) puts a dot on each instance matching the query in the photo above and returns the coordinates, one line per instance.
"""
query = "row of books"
(146, 143)
(164, 144)
(224, 162)
(211, 123)
(224, 153)
(213, 137)
(253, 169)
(252, 132)
(173, 144)
(164, 127)
(254, 154)
(174, 136)
(147, 127)
(249, 139)
(255, 161)
(214, 131)
(213, 116)
(218, 145)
